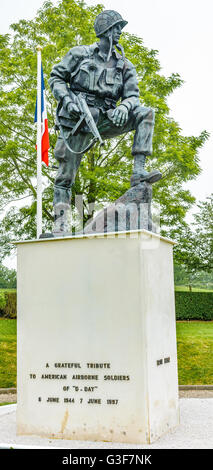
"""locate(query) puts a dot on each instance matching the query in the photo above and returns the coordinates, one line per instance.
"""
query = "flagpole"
(39, 171)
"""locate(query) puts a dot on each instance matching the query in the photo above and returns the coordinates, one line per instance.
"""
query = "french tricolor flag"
(45, 145)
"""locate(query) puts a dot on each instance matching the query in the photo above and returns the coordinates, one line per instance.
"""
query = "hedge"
(10, 308)
(188, 305)
(194, 305)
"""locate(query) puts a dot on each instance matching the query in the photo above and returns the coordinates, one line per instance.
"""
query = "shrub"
(194, 305)
(2, 300)
(9, 309)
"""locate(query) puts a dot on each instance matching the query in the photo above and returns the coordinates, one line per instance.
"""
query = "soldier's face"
(116, 33)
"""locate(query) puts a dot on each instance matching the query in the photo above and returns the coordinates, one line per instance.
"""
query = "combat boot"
(140, 174)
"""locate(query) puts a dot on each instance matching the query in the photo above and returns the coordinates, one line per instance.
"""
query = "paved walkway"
(194, 432)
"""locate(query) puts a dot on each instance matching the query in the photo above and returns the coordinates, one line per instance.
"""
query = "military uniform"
(103, 81)
(84, 69)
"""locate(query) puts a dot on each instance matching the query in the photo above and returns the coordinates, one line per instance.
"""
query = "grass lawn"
(195, 352)
(7, 353)
(8, 290)
(194, 289)
(7, 403)
(194, 345)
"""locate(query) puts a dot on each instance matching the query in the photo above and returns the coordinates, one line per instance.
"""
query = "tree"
(198, 279)
(7, 278)
(196, 242)
(104, 176)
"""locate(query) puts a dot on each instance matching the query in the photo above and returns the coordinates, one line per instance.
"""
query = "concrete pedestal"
(96, 338)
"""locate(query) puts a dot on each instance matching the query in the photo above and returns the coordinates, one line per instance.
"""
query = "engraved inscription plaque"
(77, 387)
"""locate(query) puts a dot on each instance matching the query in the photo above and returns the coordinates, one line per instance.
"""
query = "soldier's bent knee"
(145, 114)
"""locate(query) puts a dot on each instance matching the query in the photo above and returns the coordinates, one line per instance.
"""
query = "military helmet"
(106, 19)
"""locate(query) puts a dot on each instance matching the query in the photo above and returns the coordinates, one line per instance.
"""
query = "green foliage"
(7, 278)
(195, 251)
(102, 177)
(9, 308)
(197, 279)
(2, 301)
(194, 305)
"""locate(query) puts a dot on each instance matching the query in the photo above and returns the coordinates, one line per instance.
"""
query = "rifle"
(85, 118)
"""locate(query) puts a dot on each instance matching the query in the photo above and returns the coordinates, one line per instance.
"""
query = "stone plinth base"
(96, 338)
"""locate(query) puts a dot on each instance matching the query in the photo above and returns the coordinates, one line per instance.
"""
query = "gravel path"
(194, 432)
(196, 393)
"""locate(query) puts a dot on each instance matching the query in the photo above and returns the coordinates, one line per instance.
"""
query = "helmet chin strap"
(110, 47)
(121, 49)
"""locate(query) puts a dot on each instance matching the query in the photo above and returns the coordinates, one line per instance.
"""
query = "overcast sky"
(181, 30)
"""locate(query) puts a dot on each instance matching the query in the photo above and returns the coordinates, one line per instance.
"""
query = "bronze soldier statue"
(97, 76)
